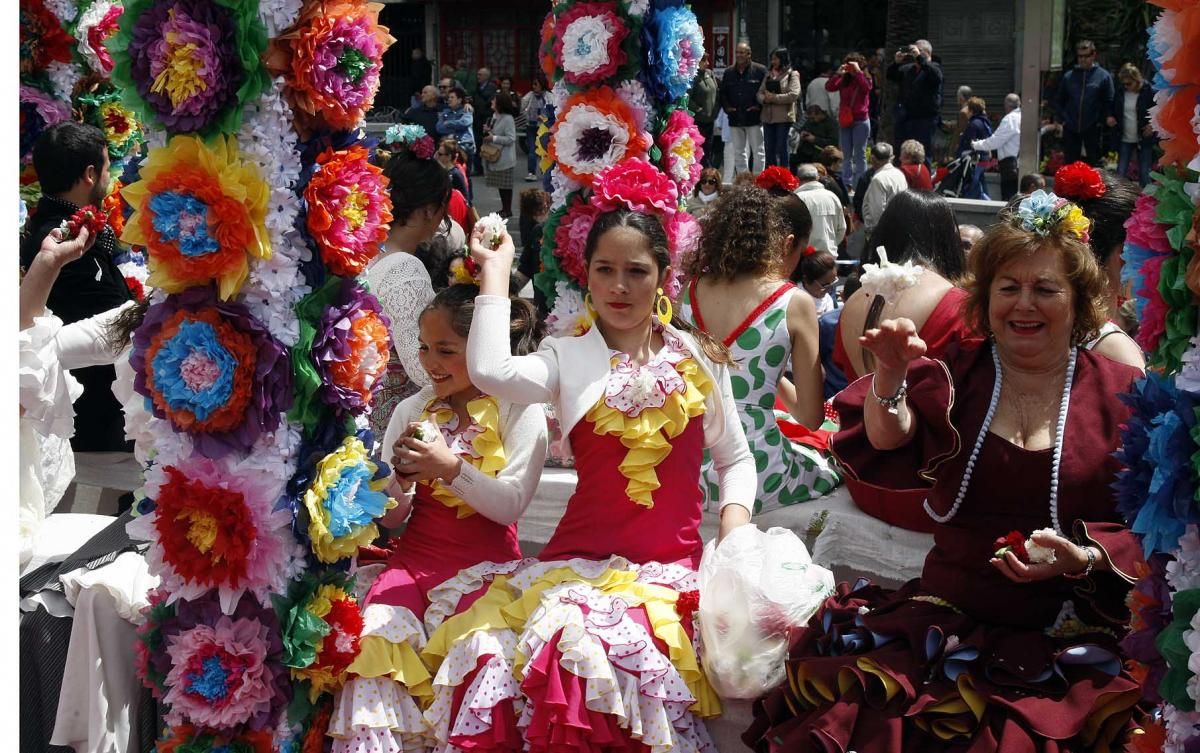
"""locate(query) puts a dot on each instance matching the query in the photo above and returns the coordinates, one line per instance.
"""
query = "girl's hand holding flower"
(424, 460)
(1069, 559)
(495, 261)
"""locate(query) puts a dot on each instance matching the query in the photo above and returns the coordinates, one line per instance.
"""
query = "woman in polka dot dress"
(466, 465)
(739, 290)
(591, 647)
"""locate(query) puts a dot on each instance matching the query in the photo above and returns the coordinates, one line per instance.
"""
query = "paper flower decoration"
(546, 56)
(343, 500)
(104, 110)
(1041, 212)
(219, 671)
(199, 211)
(331, 59)
(411, 137)
(595, 130)
(211, 370)
(96, 24)
(213, 527)
(190, 65)
(188, 739)
(342, 353)
(43, 38)
(587, 43)
(566, 231)
(680, 142)
(38, 111)
(321, 626)
(569, 316)
(349, 209)
(637, 185)
(1078, 181)
(777, 177)
(887, 279)
(673, 44)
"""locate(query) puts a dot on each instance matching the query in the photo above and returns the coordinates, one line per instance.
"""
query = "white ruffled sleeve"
(46, 390)
(402, 285)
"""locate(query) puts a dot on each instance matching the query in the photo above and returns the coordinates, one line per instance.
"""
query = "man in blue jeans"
(920, 101)
(1084, 99)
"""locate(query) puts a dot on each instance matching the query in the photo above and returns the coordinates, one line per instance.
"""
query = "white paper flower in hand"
(1038, 554)
(494, 228)
(887, 279)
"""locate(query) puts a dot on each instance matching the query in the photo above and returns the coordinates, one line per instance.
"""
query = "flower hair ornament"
(1079, 181)
(1041, 212)
(411, 137)
(777, 177)
(808, 251)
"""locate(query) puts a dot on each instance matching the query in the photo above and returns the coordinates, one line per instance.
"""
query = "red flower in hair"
(1078, 181)
(777, 177)
(808, 251)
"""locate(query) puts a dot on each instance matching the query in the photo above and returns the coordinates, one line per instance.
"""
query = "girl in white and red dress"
(591, 647)
(465, 466)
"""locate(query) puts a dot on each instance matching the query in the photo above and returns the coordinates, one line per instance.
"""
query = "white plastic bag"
(754, 588)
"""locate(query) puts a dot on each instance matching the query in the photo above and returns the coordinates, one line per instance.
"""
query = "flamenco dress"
(789, 472)
(591, 647)
(381, 706)
(946, 327)
(963, 659)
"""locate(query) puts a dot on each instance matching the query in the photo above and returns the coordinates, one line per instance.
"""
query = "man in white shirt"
(828, 220)
(1007, 142)
(888, 181)
(815, 93)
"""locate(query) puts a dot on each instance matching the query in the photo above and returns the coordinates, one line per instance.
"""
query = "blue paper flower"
(193, 371)
(674, 43)
(183, 218)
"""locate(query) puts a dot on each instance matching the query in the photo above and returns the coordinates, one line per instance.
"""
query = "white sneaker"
(530, 177)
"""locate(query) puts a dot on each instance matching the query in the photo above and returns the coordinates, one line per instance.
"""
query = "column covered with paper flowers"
(259, 205)
(1158, 491)
(616, 130)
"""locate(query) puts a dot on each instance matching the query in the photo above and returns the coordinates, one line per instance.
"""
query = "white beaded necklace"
(1059, 431)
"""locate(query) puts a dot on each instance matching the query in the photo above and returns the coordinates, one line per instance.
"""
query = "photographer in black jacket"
(920, 100)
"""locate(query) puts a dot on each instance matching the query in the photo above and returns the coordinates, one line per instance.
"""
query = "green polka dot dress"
(788, 473)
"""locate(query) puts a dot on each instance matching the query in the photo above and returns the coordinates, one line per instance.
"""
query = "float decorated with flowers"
(259, 206)
(1158, 489)
(616, 132)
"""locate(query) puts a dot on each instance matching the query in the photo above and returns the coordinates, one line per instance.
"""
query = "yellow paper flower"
(1076, 222)
(344, 500)
(199, 211)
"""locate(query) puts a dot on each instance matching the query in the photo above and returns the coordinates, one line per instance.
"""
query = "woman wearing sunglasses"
(705, 193)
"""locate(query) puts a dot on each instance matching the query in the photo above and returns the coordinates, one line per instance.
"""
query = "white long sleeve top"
(571, 373)
(1006, 139)
(504, 497)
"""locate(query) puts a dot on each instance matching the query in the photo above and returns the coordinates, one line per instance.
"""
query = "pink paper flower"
(680, 142)
(570, 238)
(637, 185)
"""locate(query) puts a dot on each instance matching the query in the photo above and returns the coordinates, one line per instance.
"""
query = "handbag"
(490, 153)
(845, 119)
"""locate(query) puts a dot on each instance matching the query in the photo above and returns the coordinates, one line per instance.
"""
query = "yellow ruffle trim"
(648, 435)
(659, 603)
(485, 614)
(379, 657)
(485, 413)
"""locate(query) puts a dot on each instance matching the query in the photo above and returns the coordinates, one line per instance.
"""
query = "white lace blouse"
(402, 285)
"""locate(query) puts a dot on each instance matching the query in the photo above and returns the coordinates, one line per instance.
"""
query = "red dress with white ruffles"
(963, 659)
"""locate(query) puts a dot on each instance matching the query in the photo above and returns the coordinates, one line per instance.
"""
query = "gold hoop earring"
(588, 307)
(663, 308)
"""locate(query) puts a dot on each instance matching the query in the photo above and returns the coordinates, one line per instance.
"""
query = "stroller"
(960, 174)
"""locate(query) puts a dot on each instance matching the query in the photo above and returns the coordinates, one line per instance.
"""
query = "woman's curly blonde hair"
(742, 233)
(1005, 242)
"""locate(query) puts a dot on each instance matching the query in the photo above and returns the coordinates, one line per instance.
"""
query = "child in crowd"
(465, 466)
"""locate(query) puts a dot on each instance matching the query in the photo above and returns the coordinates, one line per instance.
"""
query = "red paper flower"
(340, 647)
(1013, 541)
(636, 184)
(135, 287)
(90, 217)
(808, 251)
(777, 177)
(1078, 181)
(687, 604)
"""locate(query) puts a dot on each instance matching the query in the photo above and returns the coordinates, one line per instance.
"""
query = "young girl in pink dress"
(465, 466)
(591, 647)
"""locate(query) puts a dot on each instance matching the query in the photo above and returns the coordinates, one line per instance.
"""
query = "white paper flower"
(1038, 554)
(637, 8)
(1183, 572)
(561, 186)
(63, 77)
(889, 280)
(557, 95)
(1181, 726)
(90, 17)
(583, 121)
(278, 15)
(634, 94)
(568, 317)
(494, 228)
(585, 45)
(66, 10)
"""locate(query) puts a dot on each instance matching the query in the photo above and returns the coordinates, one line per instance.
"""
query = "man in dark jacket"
(920, 100)
(1084, 100)
(739, 99)
(702, 101)
(71, 160)
(425, 114)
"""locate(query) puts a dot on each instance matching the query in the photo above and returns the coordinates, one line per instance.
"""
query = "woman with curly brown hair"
(740, 293)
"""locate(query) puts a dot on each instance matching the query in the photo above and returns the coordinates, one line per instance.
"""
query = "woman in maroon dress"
(985, 651)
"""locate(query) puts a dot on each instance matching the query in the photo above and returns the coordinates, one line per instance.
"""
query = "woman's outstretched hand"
(894, 343)
(1069, 559)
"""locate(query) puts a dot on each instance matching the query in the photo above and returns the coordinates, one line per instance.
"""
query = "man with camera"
(920, 100)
